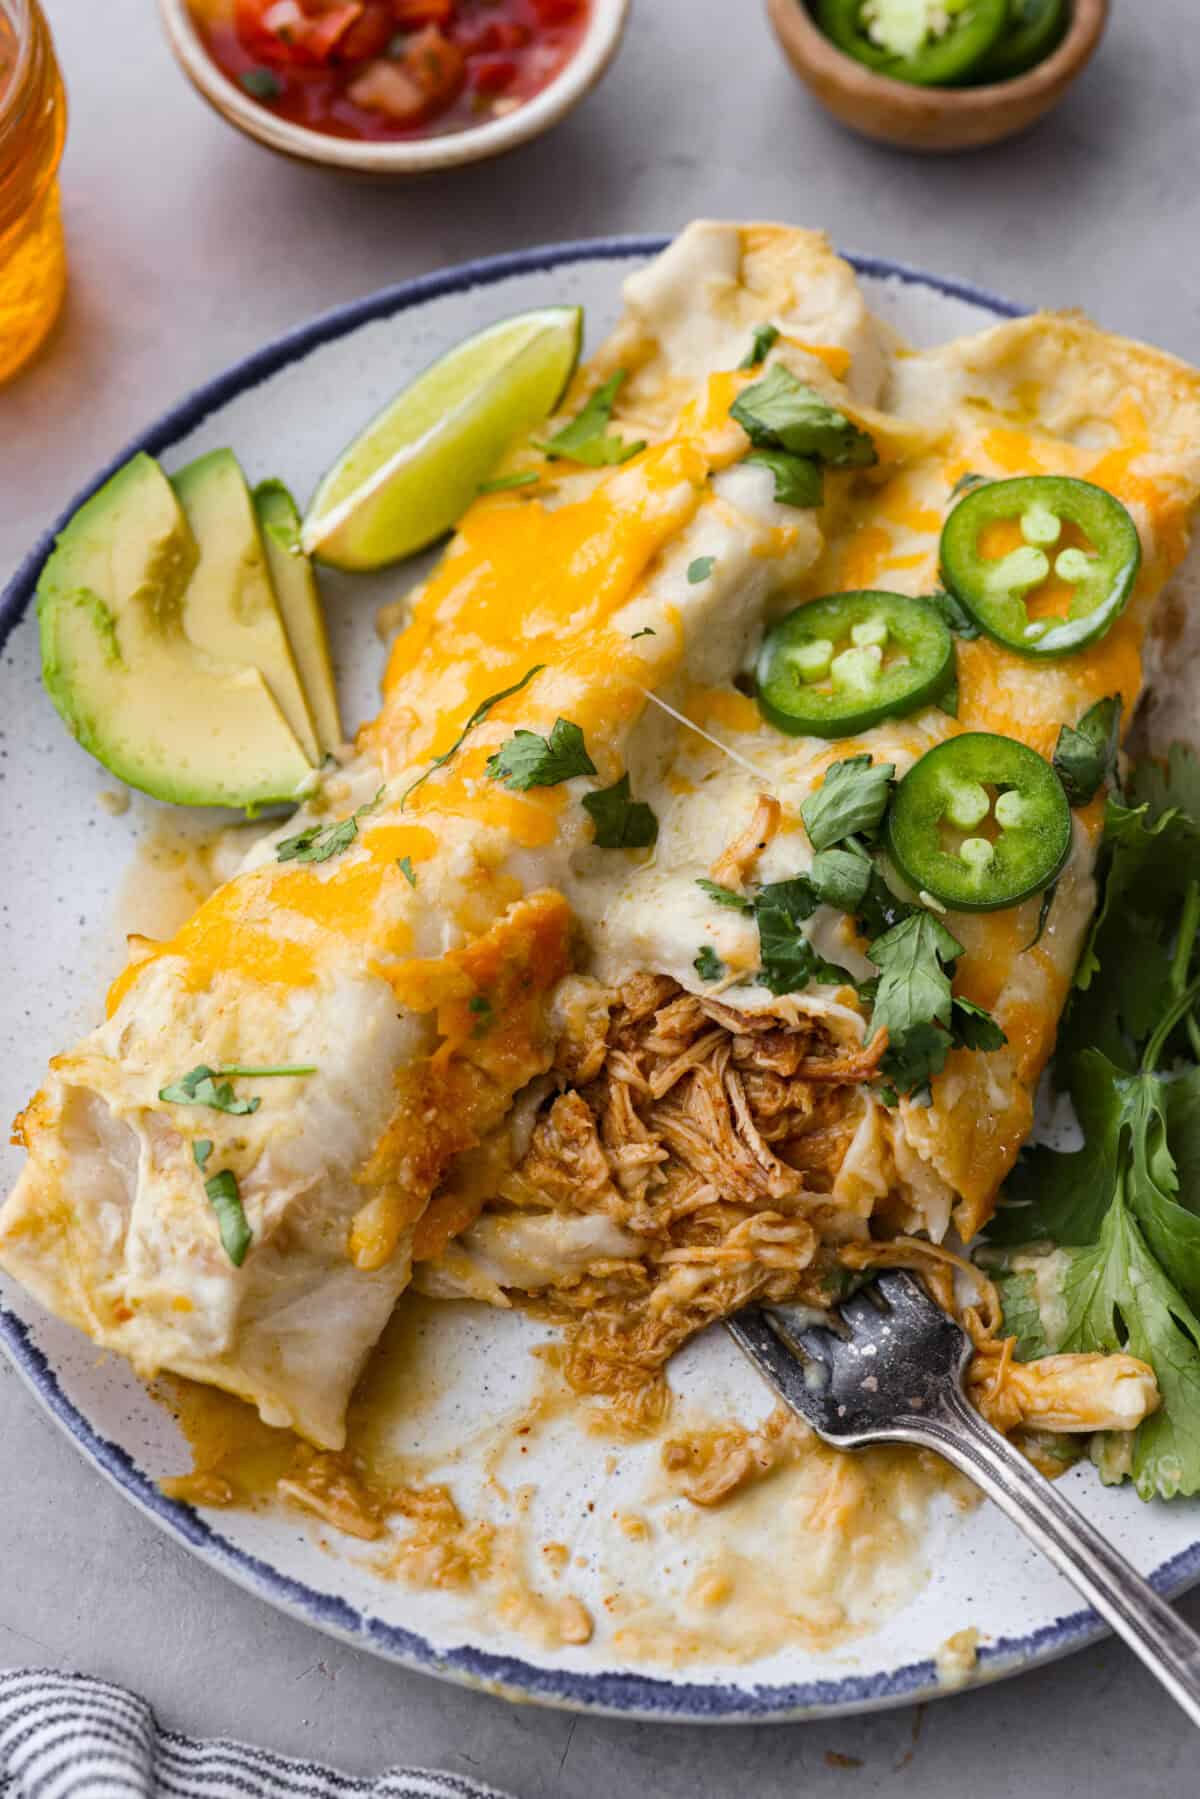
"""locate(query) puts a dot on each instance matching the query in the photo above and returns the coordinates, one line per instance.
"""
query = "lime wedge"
(418, 465)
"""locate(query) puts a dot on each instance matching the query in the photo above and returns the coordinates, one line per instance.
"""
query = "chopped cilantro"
(201, 1150)
(912, 999)
(973, 1027)
(528, 760)
(621, 823)
(789, 961)
(226, 1202)
(841, 878)
(763, 339)
(525, 477)
(798, 479)
(725, 896)
(404, 864)
(708, 964)
(481, 711)
(954, 614)
(700, 569)
(850, 802)
(586, 438)
(319, 842)
(781, 412)
(200, 1088)
(1085, 756)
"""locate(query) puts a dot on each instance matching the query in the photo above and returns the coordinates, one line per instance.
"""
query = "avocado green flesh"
(300, 605)
(229, 606)
(160, 713)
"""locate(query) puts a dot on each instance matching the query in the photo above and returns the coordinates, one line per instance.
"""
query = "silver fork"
(891, 1371)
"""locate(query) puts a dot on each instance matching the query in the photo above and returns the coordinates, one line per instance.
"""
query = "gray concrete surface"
(190, 246)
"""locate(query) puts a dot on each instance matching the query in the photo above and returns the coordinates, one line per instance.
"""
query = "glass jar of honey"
(33, 121)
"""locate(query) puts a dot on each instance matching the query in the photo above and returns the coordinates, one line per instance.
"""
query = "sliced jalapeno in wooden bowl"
(980, 822)
(841, 664)
(925, 44)
(997, 580)
(1034, 29)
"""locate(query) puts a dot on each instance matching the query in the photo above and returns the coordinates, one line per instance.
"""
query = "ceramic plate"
(288, 410)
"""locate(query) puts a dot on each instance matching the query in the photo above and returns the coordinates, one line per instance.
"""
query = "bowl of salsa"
(393, 87)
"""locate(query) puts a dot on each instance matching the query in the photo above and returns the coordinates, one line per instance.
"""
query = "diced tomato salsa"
(391, 68)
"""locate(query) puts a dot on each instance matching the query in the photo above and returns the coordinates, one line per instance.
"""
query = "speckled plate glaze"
(288, 410)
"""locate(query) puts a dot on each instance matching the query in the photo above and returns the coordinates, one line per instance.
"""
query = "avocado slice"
(162, 714)
(300, 603)
(229, 608)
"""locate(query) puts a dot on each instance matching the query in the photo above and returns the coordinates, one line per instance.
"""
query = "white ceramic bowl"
(420, 156)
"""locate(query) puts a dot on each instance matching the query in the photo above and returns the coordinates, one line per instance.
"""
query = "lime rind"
(414, 470)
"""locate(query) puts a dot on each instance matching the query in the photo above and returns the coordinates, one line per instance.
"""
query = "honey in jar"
(33, 117)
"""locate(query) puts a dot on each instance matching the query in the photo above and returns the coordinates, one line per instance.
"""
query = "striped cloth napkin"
(66, 1736)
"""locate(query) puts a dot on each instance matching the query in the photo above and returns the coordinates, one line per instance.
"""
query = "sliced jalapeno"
(996, 589)
(841, 664)
(980, 822)
(933, 43)
(1033, 31)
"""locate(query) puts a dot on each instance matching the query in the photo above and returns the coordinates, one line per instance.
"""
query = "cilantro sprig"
(528, 760)
(764, 338)
(204, 1086)
(1122, 1207)
(795, 433)
(621, 822)
(587, 439)
(480, 713)
(319, 842)
(1085, 756)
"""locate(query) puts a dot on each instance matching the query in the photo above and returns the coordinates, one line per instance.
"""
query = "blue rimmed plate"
(288, 410)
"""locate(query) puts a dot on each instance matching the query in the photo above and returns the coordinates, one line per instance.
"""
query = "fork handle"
(1152, 1628)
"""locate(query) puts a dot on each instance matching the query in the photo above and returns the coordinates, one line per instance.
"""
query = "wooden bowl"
(409, 156)
(932, 118)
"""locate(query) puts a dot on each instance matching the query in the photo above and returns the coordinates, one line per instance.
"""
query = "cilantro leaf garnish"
(789, 961)
(621, 823)
(880, 909)
(725, 896)
(850, 802)
(763, 339)
(1085, 756)
(947, 700)
(319, 842)
(202, 1086)
(708, 964)
(973, 1027)
(798, 479)
(481, 711)
(525, 477)
(1023, 1318)
(262, 83)
(1119, 1298)
(202, 1148)
(586, 438)
(1173, 786)
(841, 878)
(700, 570)
(407, 870)
(954, 614)
(199, 1087)
(781, 412)
(912, 999)
(226, 1202)
(528, 760)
